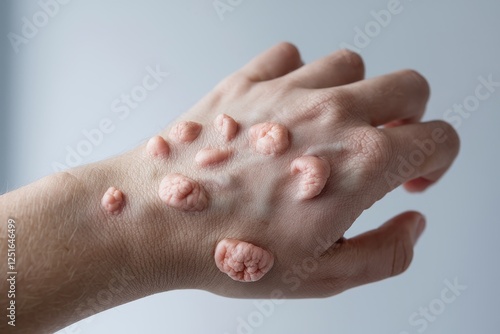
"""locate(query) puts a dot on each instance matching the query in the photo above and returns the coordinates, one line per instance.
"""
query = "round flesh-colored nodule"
(180, 192)
(226, 126)
(112, 201)
(314, 173)
(269, 138)
(185, 132)
(211, 156)
(157, 147)
(242, 261)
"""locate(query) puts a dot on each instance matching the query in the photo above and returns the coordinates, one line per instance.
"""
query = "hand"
(280, 156)
(327, 113)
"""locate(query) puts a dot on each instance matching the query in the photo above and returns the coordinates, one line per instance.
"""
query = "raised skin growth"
(112, 201)
(185, 132)
(314, 172)
(182, 193)
(157, 147)
(269, 138)
(242, 261)
(226, 126)
(211, 156)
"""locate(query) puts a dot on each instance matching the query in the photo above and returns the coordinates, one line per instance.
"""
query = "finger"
(381, 253)
(420, 183)
(422, 153)
(340, 68)
(399, 96)
(273, 63)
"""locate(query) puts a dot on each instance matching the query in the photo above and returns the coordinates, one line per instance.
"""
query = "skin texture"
(242, 261)
(226, 126)
(75, 259)
(269, 138)
(211, 156)
(185, 132)
(113, 200)
(183, 193)
(313, 173)
(157, 147)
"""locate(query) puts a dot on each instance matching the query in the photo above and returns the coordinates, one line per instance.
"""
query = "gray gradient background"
(64, 79)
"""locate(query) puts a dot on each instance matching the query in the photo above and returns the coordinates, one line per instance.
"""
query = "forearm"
(73, 259)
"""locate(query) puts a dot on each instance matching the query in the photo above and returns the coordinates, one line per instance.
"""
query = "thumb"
(384, 252)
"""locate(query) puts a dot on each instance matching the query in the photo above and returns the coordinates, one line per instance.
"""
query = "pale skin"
(266, 173)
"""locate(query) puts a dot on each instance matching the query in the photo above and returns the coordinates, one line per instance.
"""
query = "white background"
(64, 79)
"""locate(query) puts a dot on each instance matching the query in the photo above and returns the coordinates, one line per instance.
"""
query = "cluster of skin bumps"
(240, 260)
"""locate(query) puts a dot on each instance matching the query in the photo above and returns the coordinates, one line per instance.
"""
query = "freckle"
(242, 261)
(210, 156)
(185, 132)
(157, 147)
(226, 126)
(314, 173)
(182, 193)
(112, 201)
(269, 138)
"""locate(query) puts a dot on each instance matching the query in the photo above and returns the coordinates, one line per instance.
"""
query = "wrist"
(66, 258)
(145, 237)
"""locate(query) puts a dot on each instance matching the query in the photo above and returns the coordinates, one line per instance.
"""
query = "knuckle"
(420, 82)
(287, 83)
(330, 106)
(342, 274)
(373, 149)
(449, 137)
(368, 159)
(402, 256)
(333, 285)
(233, 84)
(344, 99)
(352, 58)
(317, 103)
(289, 50)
